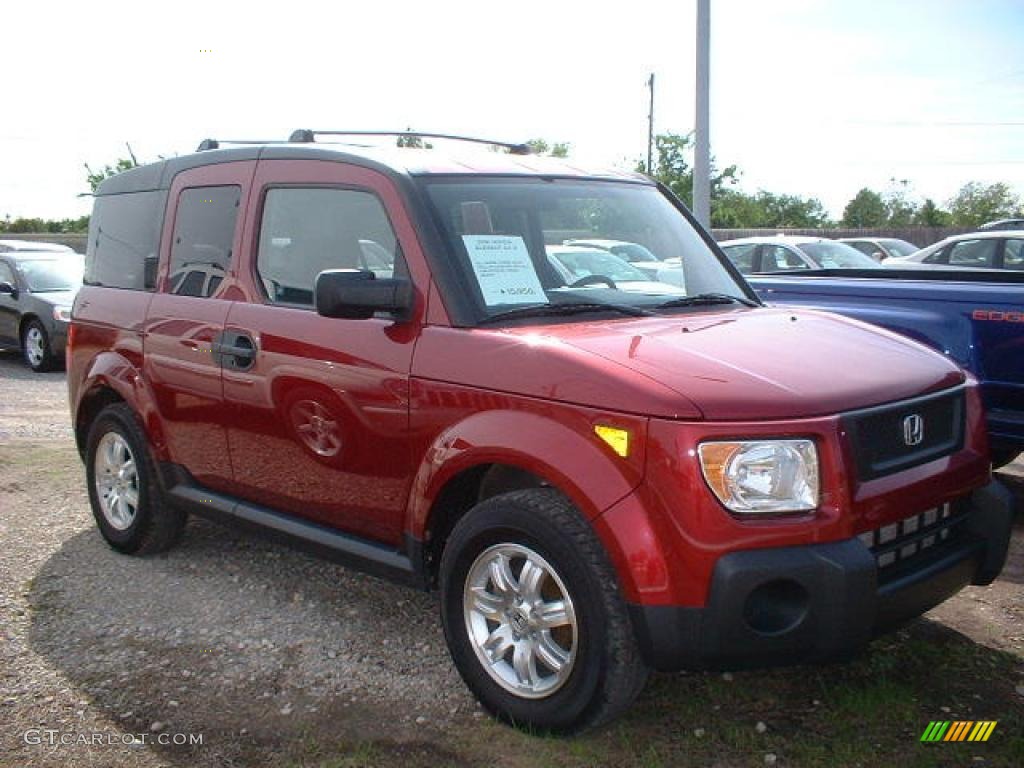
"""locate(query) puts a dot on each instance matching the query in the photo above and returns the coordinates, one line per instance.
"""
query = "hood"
(765, 364)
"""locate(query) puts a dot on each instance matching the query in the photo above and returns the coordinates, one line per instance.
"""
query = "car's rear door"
(318, 420)
(197, 283)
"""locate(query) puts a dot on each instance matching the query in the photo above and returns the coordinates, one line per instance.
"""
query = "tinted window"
(742, 256)
(204, 231)
(864, 247)
(124, 237)
(307, 231)
(979, 254)
(899, 247)
(1013, 255)
(831, 255)
(6, 275)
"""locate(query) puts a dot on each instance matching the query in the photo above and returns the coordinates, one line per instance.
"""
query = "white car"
(19, 246)
(582, 267)
(881, 248)
(994, 249)
(788, 253)
(636, 254)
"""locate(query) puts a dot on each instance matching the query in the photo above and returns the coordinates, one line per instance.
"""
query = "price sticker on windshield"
(504, 270)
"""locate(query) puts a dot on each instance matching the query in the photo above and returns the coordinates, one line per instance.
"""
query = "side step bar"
(361, 554)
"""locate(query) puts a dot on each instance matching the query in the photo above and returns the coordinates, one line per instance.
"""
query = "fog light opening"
(776, 607)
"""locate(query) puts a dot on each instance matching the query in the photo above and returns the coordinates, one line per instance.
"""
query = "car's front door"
(318, 421)
(197, 283)
(9, 306)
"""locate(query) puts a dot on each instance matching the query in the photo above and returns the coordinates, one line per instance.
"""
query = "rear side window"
(124, 239)
(775, 258)
(204, 232)
(307, 231)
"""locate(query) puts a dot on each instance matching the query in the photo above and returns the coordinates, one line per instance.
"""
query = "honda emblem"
(913, 429)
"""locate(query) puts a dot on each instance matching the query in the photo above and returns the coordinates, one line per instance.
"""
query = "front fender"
(566, 453)
(113, 371)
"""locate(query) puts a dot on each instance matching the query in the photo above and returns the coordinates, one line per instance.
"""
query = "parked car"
(637, 255)
(589, 266)
(37, 288)
(1000, 249)
(786, 253)
(598, 481)
(18, 246)
(1017, 224)
(880, 248)
(975, 319)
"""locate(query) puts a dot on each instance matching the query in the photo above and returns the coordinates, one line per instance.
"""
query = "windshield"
(899, 247)
(43, 275)
(832, 255)
(506, 235)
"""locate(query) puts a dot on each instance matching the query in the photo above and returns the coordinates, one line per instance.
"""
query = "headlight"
(762, 476)
(62, 314)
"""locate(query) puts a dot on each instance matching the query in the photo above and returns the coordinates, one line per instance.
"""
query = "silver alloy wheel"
(35, 346)
(117, 481)
(521, 620)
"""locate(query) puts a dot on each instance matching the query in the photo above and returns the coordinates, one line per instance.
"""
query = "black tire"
(608, 672)
(1003, 456)
(48, 361)
(155, 525)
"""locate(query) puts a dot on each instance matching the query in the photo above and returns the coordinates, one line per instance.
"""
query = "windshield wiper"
(700, 299)
(575, 308)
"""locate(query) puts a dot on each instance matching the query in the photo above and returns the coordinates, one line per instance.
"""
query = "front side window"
(305, 231)
(742, 256)
(204, 234)
(1013, 254)
(545, 244)
(979, 254)
(7, 274)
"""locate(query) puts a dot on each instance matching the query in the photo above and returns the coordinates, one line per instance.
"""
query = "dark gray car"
(36, 292)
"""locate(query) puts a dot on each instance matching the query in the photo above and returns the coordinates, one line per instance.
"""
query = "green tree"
(899, 208)
(673, 169)
(930, 215)
(95, 178)
(413, 142)
(977, 203)
(552, 149)
(866, 209)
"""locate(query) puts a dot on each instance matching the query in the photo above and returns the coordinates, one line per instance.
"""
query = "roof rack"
(206, 144)
(307, 136)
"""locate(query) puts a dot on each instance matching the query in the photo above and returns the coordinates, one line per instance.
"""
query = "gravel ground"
(253, 646)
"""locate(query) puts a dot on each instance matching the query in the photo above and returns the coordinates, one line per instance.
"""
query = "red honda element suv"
(393, 358)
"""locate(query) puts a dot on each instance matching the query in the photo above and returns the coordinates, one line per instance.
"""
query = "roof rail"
(307, 136)
(206, 144)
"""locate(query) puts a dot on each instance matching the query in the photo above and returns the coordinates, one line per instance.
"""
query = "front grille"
(897, 436)
(914, 537)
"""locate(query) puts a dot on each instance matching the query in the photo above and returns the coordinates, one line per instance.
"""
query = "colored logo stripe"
(959, 730)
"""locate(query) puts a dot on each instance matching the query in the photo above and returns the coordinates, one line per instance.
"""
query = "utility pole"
(650, 129)
(702, 150)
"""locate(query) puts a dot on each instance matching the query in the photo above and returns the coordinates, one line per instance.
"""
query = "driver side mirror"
(6, 287)
(357, 294)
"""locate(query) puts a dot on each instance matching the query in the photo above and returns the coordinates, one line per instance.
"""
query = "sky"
(808, 97)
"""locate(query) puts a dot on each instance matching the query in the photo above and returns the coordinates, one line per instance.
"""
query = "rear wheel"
(533, 615)
(124, 491)
(35, 346)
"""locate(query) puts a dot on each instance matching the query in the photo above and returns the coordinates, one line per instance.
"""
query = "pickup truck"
(975, 318)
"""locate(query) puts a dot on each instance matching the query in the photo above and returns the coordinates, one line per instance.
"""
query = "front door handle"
(235, 350)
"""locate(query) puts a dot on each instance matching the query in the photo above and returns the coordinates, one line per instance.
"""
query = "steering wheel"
(592, 279)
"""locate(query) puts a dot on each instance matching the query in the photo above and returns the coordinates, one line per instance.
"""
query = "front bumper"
(822, 601)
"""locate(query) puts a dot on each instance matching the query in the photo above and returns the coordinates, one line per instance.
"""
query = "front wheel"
(35, 346)
(533, 615)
